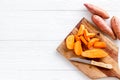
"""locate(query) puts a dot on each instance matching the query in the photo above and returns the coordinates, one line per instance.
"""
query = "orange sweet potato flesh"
(81, 30)
(78, 48)
(91, 42)
(100, 45)
(77, 38)
(91, 35)
(94, 53)
(85, 35)
(83, 40)
(70, 42)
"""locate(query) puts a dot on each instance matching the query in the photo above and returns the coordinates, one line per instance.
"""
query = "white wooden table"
(31, 30)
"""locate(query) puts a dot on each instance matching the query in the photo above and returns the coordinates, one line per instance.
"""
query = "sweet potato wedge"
(99, 45)
(94, 53)
(77, 38)
(91, 35)
(91, 42)
(83, 40)
(85, 35)
(70, 42)
(78, 48)
(81, 30)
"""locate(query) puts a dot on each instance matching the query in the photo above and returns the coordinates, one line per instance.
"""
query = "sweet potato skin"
(96, 10)
(103, 26)
(115, 24)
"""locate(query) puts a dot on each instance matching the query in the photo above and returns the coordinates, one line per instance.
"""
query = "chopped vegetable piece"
(100, 45)
(78, 48)
(70, 42)
(83, 40)
(85, 35)
(94, 53)
(91, 35)
(91, 42)
(77, 38)
(81, 30)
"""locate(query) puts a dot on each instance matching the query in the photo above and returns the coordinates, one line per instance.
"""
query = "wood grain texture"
(92, 71)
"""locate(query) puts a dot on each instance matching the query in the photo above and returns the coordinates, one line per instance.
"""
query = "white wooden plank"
(54, 75)
(55, 4)
(44, 75)
(35, 55)
(40, 25)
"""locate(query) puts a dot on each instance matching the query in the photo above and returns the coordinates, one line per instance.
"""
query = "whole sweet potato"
(103, 26)
(115, 23)
(96, 10)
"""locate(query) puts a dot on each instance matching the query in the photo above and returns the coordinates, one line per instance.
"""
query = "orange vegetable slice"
(70, 42)
(100, 45)
(94, 53)
(78, 48)
(83, 40)
(85, 35)
(91, 42)
(91, 35)
(77, 38)
(81, 30)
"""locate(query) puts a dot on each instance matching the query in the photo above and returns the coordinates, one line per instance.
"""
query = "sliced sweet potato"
(100, 45)
(91, 35)
(70, 42)
(85, 35)
(83, 40)
(77, 38)
(91, 42)
(81, 30)
(87, 38)
(94, 53)
(78, 48)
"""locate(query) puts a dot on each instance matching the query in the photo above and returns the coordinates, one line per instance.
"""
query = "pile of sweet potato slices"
(82, 39)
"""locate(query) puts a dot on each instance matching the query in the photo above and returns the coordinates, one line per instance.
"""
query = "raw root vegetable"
(96, 10)
(99, 45)
(78, 48)
(94, 53)
(83, 40)
(81, 30)
(70, 42)
(91, 42)
(103, 26)
(115, 23)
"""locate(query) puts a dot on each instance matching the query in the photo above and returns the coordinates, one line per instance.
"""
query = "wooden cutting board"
(92, 71)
